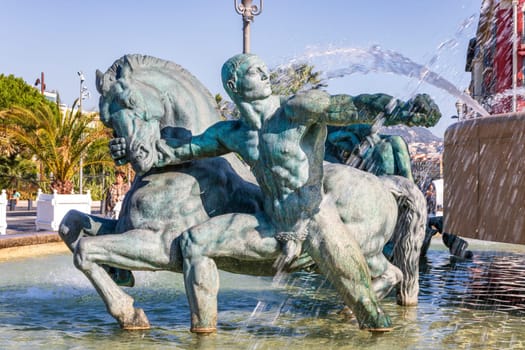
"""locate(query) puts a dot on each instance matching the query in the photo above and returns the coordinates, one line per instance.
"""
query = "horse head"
(144, 98)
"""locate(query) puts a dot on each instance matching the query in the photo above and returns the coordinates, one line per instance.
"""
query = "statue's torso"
(286, 158)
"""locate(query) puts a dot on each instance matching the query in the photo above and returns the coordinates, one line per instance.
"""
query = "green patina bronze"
(190, 211)
(360, 145)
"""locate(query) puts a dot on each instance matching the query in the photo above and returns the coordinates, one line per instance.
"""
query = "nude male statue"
(282, 140)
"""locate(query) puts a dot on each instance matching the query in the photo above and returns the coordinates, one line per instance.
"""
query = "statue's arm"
(339, 110)
(319, 106)
(365, 108)
(205, 145)
(307, 107)
(362, 109)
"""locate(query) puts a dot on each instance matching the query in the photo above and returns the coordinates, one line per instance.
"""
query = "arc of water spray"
(375, 59)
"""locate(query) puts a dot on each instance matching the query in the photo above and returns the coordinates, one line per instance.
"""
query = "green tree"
(288, 80)
(58, 139)
(16, 92)
(18, 173)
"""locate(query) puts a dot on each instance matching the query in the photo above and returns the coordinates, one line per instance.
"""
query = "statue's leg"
(237, 236)
(381, 161)
(340, 259)
(137, 249)
(401, 155)
(385, 276)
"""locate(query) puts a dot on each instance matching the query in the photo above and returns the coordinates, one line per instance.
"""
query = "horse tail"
(408, 235)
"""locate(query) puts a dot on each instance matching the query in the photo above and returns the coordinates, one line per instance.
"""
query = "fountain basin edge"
(483, 168)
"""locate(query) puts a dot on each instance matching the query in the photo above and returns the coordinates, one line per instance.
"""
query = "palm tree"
(288, 80)
(59, 140)
(17, 172)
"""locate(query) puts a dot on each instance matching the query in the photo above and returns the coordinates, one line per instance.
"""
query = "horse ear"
(127, 68)
(123, 72)
(100, 81)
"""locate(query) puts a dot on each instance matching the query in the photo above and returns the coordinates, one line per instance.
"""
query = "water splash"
(504, 96)
(377, 60)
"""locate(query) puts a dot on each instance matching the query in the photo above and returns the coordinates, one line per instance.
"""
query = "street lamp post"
(80, 97)
(248, 11)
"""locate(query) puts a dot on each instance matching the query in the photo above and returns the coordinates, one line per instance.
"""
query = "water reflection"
(490, 281)
(464, 304)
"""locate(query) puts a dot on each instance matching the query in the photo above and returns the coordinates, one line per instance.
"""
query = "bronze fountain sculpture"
(191, 211)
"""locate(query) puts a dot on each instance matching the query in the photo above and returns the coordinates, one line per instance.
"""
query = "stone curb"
(25, 239)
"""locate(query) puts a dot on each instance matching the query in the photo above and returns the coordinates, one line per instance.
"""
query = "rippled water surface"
(476, 304)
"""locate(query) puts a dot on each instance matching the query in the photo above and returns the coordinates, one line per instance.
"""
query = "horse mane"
(203, 103)
(132, 62)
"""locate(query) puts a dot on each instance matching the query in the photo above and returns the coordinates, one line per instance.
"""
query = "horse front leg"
(76, 225)
(135, 250)
(118, 304)
(122, 250)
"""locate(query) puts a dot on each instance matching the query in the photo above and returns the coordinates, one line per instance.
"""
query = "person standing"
(430, 195)
(115, 195)
(15, 197)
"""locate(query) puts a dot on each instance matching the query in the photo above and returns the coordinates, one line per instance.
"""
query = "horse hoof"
(139, 321)
(347, 313)
(380, 323)
(380, 329)
(203, 330)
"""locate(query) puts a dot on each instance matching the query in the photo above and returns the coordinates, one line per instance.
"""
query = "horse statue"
(145, 98)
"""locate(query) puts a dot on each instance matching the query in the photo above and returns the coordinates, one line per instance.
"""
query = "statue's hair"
(230, 68)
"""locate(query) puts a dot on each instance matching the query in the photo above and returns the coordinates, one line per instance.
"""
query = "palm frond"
(58, 139)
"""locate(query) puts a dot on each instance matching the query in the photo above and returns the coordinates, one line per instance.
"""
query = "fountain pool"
(473, 304)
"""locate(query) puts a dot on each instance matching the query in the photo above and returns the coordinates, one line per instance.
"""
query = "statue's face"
(253, 80)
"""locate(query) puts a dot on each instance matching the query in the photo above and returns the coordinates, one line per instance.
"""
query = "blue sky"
(61, 37)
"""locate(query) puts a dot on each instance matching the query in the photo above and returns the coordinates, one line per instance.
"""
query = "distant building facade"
(483, 163)
(496, 57)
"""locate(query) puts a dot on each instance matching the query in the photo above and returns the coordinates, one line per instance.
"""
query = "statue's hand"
(117, 149)
(420, 111)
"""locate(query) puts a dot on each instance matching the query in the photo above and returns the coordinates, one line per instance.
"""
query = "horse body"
(162, 203)
(201, 189)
